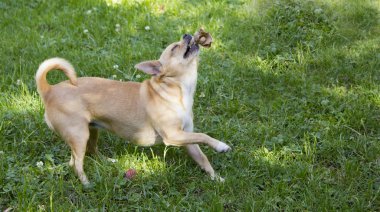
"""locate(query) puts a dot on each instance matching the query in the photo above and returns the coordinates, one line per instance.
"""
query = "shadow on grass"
(296, 92)
(299, 75)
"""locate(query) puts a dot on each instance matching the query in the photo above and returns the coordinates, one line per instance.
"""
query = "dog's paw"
(217, 178)
(88, 186)
(71, 162)
(222, 147)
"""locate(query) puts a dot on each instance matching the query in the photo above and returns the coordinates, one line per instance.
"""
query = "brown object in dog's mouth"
(203, 38)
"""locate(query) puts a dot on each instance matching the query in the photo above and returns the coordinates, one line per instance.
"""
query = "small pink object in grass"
(130, 174)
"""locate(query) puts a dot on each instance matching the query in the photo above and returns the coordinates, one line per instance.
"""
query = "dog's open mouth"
(191, 47)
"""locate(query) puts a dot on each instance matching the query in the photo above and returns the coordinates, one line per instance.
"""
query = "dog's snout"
(186, 36)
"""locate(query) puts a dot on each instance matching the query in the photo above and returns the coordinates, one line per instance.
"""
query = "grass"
(292, 85)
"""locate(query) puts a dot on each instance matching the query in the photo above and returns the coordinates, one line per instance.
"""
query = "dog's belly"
(145, 136)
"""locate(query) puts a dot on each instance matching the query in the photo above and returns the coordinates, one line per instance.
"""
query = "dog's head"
(178, 58)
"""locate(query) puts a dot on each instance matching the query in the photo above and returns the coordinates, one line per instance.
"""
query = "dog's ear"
(152, 67)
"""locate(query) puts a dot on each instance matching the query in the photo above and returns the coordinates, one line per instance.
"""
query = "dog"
(157, 110)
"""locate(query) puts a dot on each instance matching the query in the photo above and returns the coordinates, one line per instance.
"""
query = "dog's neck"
(188, 86)
(186, 83)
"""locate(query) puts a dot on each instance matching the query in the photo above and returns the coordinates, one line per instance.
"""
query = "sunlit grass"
(24, 101)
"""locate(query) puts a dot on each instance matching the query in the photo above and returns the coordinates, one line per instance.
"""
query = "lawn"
(293, 86)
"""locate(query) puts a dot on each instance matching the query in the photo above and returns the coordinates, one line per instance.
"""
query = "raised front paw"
(222, 147)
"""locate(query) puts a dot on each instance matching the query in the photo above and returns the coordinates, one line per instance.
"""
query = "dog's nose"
(186, 36)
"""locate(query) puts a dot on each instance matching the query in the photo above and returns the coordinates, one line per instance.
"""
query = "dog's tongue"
(203, 38)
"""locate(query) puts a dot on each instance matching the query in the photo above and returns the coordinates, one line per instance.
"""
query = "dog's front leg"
(200, 158)
(182, 138)
(197, 155)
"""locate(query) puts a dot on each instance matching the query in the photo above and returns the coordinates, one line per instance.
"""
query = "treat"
(203, 38)
(130, 174)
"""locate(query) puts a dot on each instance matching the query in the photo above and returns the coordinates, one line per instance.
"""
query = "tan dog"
(156, 110)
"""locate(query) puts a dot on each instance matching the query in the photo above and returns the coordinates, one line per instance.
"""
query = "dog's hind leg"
(92, 146)
(76, 137)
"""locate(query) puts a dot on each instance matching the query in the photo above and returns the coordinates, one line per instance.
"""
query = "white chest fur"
(188, 86)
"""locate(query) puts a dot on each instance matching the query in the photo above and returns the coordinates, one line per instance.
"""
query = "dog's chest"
(188, 96)
(188, 90)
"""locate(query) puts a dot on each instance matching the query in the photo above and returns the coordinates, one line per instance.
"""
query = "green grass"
(293, 86)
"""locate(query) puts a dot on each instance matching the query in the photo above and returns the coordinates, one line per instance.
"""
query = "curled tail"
(51, 64)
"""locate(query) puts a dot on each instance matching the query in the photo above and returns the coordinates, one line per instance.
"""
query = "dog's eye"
(174, 47)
